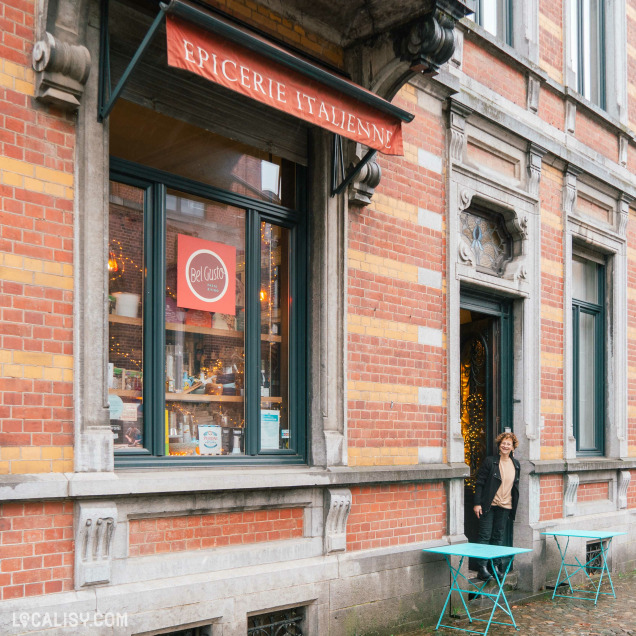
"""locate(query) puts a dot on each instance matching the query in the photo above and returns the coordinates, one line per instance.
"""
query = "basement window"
(287, 622)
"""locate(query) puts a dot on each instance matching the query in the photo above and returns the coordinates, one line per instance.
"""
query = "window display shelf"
(189, 397)
(127, 393)
(175, 326)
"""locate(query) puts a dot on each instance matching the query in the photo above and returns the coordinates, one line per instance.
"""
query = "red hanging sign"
(235, 67)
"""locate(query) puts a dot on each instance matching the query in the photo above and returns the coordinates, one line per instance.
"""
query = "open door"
(485, 388)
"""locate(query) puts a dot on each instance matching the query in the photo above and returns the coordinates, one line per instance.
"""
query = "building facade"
(249, 367)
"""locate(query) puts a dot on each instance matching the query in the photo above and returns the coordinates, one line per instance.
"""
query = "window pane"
(587, 387)
(125, 318)
(585, 280)
(150, 138)
(492, 15)
(595, 53)
(586, 36)
(574, 39)
(205, 323)
(274, 294)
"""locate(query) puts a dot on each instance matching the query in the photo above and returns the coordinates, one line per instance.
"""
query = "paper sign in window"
(206, 278)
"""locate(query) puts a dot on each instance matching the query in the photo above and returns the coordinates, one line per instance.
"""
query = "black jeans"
(492, 527)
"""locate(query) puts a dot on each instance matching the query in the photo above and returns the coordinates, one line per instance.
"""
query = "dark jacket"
(488, 482)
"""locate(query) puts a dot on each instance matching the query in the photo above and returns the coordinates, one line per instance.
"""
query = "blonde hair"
(507, 435)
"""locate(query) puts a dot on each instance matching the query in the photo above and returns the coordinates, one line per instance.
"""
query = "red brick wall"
(552, 109)
(197, 532)
(631, 334)
(593, 491)
(551, 489)
(36, 549)
(631, 491)
(551, 38)
(387, 357)
(552, 350)
(596, 136)
(36, 255)
(493, 73)
(383, 516)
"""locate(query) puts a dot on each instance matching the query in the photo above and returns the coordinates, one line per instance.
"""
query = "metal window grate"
(593, 557)
(281, 623)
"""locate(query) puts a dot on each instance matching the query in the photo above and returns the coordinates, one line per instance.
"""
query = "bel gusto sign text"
(245, 72)
(206, 277)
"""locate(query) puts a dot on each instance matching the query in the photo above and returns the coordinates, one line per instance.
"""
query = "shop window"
(495, 16)
(588, 307)
(206, 301)
(587, 48)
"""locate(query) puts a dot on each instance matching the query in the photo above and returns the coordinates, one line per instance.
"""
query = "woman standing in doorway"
(496, 497)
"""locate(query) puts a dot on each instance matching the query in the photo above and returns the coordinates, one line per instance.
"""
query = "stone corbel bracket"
(337, 507)
(430, 42)
(570, 189)
(624, 477)
(535, 164)
(62, 70)
(364, 185)
(457, 116)
(94, 533)
(624, 201)
(570, 496)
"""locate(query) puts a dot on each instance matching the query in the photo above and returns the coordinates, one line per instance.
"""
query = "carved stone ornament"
(93, 542)
(62, 70)
(623, 146)
(465, 254)
(569, 499)
(624, 201)
(465, 197)
(516, 270)
(570, 116)
(362, 189)
(570, 189)
(533, 92)
(535, 162)
(624, 477)
(430, 42)
(457, 123)
(338, 505)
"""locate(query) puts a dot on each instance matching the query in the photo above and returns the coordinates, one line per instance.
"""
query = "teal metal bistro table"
(601, 537)
(489, 553)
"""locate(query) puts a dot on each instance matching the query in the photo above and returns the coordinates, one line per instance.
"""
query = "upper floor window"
(495, 16)
(587, 48)
(588, 308)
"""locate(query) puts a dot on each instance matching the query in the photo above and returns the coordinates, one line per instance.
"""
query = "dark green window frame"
(597, 311)
(504, 17)
(155, 183)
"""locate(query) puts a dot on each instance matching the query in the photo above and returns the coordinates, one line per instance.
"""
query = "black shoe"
(499, 572)
(483, 574)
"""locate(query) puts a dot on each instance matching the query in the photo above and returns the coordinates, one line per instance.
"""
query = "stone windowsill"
(174, 481)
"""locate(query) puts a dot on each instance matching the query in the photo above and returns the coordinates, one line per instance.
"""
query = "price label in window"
(206, 278)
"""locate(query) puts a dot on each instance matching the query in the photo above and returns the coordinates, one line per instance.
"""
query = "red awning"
(281, 86)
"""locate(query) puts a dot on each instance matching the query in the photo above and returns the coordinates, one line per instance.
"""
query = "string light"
(112, 262)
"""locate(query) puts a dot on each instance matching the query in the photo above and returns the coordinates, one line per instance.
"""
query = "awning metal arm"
(338, 162)
(107, 98)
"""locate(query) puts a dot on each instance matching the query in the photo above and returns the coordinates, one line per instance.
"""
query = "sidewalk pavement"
(544, 617)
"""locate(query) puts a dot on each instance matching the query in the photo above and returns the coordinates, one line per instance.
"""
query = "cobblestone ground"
(544, 617)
